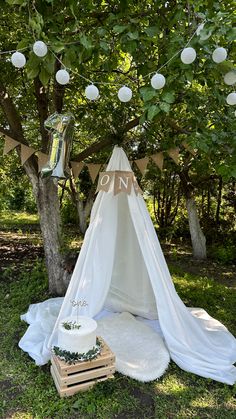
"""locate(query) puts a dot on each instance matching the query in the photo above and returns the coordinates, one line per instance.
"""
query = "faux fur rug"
(140, 352)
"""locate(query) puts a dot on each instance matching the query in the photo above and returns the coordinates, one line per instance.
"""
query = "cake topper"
(78, 304)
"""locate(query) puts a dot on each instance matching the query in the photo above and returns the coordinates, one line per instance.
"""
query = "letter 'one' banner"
(119, 180)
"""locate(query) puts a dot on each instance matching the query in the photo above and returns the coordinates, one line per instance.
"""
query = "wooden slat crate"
(70, 379)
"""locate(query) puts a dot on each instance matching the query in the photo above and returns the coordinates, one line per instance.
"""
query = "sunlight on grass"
(16, 218)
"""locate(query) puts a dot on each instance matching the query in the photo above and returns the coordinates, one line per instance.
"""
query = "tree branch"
(42, 105)
(108, 141)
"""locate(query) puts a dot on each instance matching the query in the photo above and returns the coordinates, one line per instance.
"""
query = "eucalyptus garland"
(73, 357)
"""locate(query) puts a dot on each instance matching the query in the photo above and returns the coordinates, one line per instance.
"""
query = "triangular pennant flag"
(158, 159)
(26, 152)
(174, 154)
(9, 145)
(76, 168)
(93, 170)
(42, 160)
(142, 164)
(189, 148)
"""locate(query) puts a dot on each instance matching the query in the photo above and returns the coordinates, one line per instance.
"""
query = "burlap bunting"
(158, 159)
(25, 153)
(189, 148)
(76, 168)
(142, 164)
(174, 154)
(93, 170)
(9, 145)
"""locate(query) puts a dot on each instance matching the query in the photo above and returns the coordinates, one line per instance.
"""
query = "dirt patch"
(17, 248)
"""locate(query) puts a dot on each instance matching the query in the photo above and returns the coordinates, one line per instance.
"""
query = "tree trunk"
(197, 237)
(49, 213)
(219, 198)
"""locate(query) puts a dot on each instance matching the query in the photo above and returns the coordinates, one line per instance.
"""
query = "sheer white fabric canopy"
(121, 267)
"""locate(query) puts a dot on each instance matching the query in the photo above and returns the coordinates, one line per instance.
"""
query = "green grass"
(17, 219)
(27, 391)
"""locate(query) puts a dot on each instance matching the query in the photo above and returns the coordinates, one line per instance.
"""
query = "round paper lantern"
(219, 55)
(62, 77)
(230, 78)
(125, 94)
(188, 55)
(158, 81)
(40, 48)
(231, 99)
(18, 59)
(91, 92)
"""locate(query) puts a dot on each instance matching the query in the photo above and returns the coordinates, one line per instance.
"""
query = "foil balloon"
(61, 128)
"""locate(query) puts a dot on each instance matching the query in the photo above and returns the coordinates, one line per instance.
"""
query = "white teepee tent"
(121, 267)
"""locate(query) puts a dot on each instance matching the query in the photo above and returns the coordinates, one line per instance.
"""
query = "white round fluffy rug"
(140, 352)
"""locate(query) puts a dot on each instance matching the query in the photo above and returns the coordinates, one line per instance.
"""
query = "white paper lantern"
(18, 59)
(91, 92)
(125, 94)
(40, 48)
(219, 55)
(62, 77)
(188, 55)
(231, 99)
(230, 78)
(158, 81)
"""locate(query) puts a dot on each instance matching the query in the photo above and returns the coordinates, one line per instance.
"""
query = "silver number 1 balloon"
(61, 128)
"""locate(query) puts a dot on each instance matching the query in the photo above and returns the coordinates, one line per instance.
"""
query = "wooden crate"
(70, 379)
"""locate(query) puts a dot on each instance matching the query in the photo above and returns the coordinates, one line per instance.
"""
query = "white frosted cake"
(79, 340)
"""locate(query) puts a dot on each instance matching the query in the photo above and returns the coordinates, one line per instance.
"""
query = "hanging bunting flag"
(9, 145)
(142, 164)
(93, 170)
(26, 152)
(174, 154)
(158, 159)
(42, 160)
(189, 148)
(104, 181)
(123, 182)
(76, 168)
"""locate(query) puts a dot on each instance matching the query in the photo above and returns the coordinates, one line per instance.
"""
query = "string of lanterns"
(158, 81)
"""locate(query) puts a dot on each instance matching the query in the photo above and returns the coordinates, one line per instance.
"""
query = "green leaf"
(86, 41)
(189, 75)
(231, 34)
(152, 112)
(49, 63)
(104, 45)
(101, 31)
(120, 28)
(164, 106)
(58, 47)
(23, 43)
(147, 93)
(32, 72)
(133, 35)
(168, 97)
(152, 31)
(143, 118)
(130, 46)
(44, 76)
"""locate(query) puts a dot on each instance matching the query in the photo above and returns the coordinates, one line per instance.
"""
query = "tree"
(117, 43)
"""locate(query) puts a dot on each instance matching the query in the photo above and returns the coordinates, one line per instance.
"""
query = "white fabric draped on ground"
(121, 266)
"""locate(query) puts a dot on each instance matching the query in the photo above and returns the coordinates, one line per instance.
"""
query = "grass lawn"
(27, 391)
